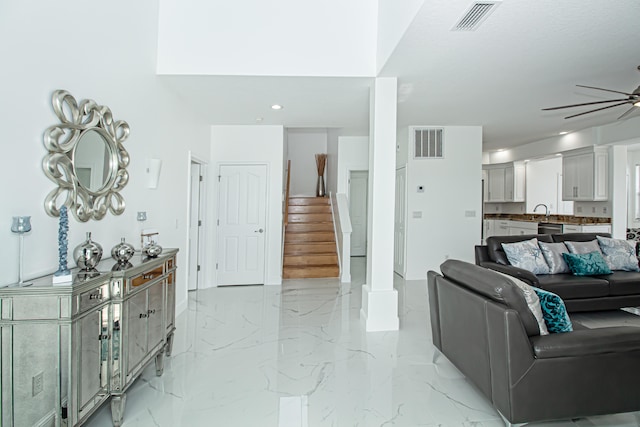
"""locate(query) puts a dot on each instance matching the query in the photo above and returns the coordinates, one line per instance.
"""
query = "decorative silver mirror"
(86, 159)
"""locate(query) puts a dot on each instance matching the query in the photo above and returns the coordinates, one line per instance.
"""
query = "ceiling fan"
(632, 98)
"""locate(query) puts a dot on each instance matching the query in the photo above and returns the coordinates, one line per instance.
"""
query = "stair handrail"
(286, 192)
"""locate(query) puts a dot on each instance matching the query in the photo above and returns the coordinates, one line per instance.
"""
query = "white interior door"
(399, 221)
(241, 224)
(195, 226)
(358, 187)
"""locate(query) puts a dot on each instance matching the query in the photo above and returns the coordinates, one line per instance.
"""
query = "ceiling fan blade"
(585, 103)
(606, 90)
(597, 109)
(629, 112)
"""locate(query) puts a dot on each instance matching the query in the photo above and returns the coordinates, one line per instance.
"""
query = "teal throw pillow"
(554, 312)
(588, 264)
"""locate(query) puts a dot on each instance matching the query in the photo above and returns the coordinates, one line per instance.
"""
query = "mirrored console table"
(65, 350)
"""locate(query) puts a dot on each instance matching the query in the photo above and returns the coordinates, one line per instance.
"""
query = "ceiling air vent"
(428, 143)
(476, 14)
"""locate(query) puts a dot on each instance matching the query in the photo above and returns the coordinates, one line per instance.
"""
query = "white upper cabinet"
(585, 174)
(506, 182)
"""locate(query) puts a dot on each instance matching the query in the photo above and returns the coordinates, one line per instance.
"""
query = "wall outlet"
(604, 209)
(37, 383)
(579, 209)
(470, 214)
(593, 210)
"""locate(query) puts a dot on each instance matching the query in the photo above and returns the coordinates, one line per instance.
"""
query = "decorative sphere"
(122, 252)
(152, 250)
(88, 254)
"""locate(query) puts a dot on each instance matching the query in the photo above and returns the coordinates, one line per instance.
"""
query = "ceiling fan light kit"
(632, 98)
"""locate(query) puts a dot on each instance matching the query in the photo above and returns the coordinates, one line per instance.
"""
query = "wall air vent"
(428, 143)
(475, 15)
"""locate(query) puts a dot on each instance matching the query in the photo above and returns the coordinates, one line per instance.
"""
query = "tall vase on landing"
(320, 187)
(321, 162)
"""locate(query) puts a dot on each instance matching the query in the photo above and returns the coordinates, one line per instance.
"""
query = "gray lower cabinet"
(66, 350)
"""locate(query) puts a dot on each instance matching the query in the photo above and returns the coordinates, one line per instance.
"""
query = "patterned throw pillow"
(554, 312)
(587, 264)
(553, 255)
(583, 247)
(533, 302)
(526, 255)
(619, 254)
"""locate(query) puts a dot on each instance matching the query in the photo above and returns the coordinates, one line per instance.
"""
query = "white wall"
(328, 38)
(251, 144)
(104, 54)
(303, 145)
(633, 159)
(353, 154)
(332, 161)
(452, 190)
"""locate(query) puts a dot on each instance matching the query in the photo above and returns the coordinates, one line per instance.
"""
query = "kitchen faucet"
(546, 209)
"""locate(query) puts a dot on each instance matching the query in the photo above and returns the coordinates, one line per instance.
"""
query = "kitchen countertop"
(553, 219)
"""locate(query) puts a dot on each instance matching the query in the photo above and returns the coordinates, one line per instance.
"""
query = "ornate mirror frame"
(62, 140)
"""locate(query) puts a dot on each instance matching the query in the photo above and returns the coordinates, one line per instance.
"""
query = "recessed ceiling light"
(500, 150)
(276, 107)
(564, 132)
(259, 119)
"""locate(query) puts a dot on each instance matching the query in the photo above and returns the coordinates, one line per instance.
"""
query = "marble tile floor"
(297, 355)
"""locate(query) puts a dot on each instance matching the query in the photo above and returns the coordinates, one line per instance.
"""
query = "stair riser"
(297, 248)
(310, 260)
(305, 201)
(310, 218)
(310, 209)
(310, 273)
(309, 237)
(304, 227)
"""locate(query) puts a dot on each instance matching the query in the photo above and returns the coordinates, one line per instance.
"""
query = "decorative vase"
(122, 252)
(87, 254)
(152, 250)
(320, 187)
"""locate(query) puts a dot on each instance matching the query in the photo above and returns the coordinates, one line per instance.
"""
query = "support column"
(379, 298)
(618, 191)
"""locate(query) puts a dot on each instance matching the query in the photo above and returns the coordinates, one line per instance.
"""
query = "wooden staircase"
(309, 240)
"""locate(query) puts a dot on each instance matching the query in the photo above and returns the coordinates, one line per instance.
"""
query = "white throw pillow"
(526, 255)
(619, 254)
(533, 302)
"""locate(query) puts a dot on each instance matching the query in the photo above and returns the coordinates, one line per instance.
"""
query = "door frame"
(404, 240)
(202, 233)
(366, 208)
(267, 217)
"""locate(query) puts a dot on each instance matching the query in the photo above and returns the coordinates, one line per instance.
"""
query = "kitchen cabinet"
(586, 228)
(506, 182)
(585, 174)
(520, 228)
(66, 350)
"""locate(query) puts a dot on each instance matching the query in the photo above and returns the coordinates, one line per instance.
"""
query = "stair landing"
(310, 246)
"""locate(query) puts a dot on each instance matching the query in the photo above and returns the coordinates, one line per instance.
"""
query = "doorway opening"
(195, 255)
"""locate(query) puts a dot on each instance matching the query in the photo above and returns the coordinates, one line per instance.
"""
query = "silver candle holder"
(21, 225)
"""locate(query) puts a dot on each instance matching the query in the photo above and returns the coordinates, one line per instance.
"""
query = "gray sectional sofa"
(580, 293)
(481, 323)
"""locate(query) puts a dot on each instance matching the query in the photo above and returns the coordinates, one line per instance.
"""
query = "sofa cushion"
(533, 302)
(526, 255)
(568, 286)
(496, 252)
(554, 312)
(577, 237)
(624, 282)
(589, 264)
(492, 285)
(552, 253)
(619, 254)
